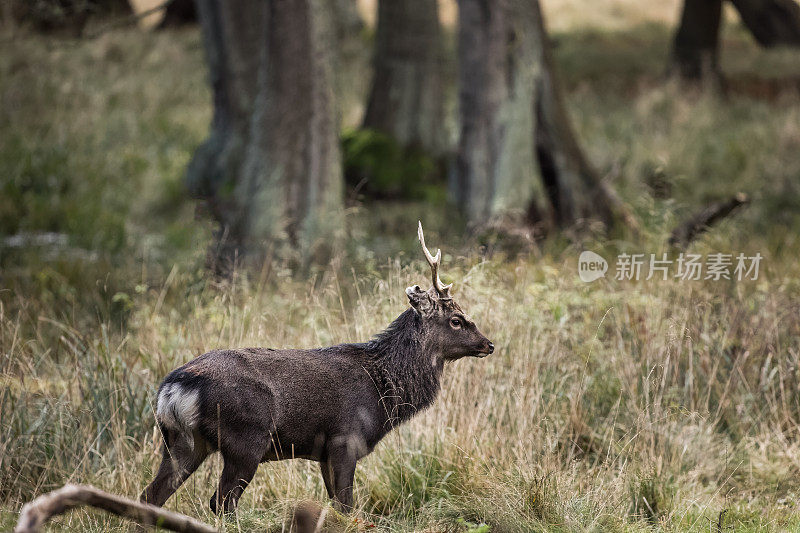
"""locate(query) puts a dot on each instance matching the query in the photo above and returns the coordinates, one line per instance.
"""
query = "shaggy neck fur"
(407, 372)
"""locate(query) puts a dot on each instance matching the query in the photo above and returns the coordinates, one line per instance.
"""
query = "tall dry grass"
(607, 406)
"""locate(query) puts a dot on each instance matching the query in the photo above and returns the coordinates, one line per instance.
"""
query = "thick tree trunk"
(270, 169)
(517, 155)
(406, 101)
(293, 174)
(696, 44)
(498, 67)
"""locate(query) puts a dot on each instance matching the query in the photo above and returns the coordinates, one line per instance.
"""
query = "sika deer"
(331, 405)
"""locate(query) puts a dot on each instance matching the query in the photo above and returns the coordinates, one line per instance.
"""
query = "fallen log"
(687, 232)
(36, 513)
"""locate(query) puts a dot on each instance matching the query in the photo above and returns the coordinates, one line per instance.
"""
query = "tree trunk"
(270, 169)
(772, 22)
(179, 12)
(517, 154)
(233, 71)
(573, 185)
(406, 101)
(696, 45)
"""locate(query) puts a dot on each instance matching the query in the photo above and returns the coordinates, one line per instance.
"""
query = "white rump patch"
(178, 407)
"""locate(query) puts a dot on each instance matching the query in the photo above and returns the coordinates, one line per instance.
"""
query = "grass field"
(610, 406)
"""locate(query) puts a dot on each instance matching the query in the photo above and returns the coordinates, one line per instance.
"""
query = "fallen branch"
(36, 513)
(687, 232)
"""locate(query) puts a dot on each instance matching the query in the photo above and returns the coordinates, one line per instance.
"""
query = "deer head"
(449, 330)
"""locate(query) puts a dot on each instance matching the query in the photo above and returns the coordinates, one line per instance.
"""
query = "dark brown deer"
(331, 405)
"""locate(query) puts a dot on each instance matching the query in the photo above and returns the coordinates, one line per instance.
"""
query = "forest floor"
(608, 406)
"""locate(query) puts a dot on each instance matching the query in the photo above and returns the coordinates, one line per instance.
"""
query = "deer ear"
(419, 300)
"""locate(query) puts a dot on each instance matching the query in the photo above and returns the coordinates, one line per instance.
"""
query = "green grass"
(611, 406)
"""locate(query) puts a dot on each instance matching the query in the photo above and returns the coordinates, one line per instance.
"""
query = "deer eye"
(455, 322)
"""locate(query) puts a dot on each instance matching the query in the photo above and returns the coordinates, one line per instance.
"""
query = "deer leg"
(344, 469)
(327, 477)
(237, 473)
(178, 461)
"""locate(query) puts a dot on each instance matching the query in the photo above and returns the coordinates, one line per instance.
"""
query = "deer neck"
(408, 373)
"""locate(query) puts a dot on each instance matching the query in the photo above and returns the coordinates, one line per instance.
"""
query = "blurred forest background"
(239, 174)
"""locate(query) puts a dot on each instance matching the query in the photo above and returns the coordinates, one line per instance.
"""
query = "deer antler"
(442, 289)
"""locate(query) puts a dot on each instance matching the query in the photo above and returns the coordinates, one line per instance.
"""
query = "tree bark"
(517, 154)
(270, 169)
(233, 64)
(696, 45)
(406, 100)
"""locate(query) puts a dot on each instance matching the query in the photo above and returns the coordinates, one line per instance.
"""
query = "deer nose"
(490, 345)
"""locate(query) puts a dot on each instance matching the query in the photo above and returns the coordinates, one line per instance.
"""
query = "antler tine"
(434, 262)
